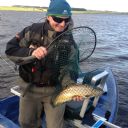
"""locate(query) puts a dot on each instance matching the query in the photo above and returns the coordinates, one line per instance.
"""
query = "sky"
(109, 5)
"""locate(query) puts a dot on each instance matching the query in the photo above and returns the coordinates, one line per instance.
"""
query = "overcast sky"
(110, 5)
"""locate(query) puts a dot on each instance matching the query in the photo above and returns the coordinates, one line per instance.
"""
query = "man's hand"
(77, 98)
(40, 52)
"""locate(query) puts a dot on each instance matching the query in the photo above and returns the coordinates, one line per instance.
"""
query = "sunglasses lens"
(67, 20)
(59, 20)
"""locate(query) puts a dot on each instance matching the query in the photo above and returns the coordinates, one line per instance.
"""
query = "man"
(51, 70)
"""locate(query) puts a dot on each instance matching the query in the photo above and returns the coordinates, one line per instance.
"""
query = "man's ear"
(48, 18)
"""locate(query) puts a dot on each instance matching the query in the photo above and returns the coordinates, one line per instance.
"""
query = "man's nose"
(62, 23)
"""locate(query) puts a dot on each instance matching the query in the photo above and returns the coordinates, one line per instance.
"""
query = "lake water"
(112, 49)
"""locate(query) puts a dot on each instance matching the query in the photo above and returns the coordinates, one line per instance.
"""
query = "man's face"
(58, 23)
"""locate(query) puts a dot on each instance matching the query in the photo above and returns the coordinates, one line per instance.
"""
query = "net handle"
(25, 60)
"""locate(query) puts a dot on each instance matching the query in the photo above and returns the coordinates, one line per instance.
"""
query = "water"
(112, 49)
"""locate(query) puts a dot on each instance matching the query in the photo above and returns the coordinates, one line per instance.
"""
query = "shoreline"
(41, 9)
(14, 8)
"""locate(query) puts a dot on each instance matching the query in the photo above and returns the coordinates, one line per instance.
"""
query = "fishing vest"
(47, 70)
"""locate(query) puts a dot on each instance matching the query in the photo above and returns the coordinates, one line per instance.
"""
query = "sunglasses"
(59, 20)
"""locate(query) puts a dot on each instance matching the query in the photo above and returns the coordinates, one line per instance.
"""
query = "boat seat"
(16, 90)
(94, 78)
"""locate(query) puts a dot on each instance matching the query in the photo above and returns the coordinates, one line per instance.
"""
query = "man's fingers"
(77, 98)
(40, 52)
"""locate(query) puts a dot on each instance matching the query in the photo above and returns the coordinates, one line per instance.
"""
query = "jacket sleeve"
(69, 73)
(13, 47)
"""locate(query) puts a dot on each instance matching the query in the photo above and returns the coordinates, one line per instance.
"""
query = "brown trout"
(83, 90)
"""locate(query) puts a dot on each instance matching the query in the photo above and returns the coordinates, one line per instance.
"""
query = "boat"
(95, 112)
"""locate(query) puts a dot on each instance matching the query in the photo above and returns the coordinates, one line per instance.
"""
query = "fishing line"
(13, 68)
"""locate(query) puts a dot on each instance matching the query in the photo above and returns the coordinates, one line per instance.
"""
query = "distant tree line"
(79, 9)
(73, 9)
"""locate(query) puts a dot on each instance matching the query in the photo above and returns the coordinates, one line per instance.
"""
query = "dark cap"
(59, 8)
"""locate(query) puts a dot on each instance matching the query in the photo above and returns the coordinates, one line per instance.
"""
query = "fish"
(83, 90)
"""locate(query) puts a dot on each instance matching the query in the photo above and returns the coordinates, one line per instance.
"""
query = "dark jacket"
(59, 66)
